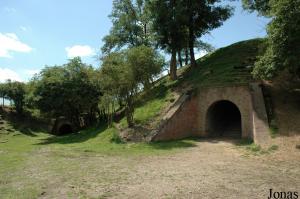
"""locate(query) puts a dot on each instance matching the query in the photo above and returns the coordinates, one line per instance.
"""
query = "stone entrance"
(223, 119)
(65, 129)
(225, 111)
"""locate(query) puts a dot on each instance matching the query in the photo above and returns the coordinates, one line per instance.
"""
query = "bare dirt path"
(214, 169)
(211, 169)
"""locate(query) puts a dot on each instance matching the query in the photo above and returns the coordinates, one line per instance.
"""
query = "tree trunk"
(129, 113)
(186, 56)
(173, 67)
(180, 58)
(191, 47)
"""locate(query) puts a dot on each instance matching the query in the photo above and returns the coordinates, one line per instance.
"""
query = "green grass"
(100, 140)
(61, 155)
(227, 66)
(249, 146)
(273, 128)
(149, 105)
(15, 147)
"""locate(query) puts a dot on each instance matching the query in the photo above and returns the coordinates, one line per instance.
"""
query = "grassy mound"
(230, 65)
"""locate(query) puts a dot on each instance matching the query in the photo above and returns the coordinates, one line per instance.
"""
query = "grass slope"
(230, 65)
(227, 66)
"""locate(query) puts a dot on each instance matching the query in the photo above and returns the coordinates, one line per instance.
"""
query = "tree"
(145, 63)
(283, 41)
(131, 25)
(123, 73)
(3, 92)
(118, 82)
(14, 91)
(202, 17)
(168, 24)
(261, 6)
(69, 90)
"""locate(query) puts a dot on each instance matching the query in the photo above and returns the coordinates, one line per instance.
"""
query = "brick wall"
(189, 119)
(183, 122)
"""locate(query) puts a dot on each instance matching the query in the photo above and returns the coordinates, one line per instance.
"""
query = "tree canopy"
(261, 6)
(179, 24)
(123, 73)
(283, 41)
(69, 90)
(14, 91)
(131, 25)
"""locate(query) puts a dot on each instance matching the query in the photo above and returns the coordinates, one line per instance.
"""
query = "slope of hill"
(227, 66)
(230, 65)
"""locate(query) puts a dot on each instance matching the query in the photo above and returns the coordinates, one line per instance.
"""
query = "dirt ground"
(210, 169)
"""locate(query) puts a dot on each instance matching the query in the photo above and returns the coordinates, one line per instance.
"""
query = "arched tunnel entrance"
(223, 119)
(65, 129)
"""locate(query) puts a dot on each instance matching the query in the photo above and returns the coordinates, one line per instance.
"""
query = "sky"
(35, 33)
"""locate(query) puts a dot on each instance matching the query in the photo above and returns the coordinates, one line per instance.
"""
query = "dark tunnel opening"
(224, 120)
(65, 129)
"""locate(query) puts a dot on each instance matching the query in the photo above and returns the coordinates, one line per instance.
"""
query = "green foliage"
(3, 91)
(146, 64)
(131, 68)
(178, 25)
(168, 24)
(261, 6)
(14, 91)
(283, 41)
(202, 17)
(150, 105)
(131, 25)
(68, 90)
(116, 138)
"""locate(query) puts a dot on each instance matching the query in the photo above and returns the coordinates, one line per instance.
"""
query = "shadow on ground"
(24, 124)
(172, 144)
(78, 137)
(234, 141)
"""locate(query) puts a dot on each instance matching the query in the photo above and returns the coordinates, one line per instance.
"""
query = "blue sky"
(35, 33)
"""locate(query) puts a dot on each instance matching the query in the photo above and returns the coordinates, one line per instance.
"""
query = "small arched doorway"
(223, 119)
(65, 129)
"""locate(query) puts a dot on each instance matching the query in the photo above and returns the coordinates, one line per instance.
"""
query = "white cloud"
(32, 72)
(6, 74)
(80, 51)
(10, 10)
(25, 28)
(11, 43)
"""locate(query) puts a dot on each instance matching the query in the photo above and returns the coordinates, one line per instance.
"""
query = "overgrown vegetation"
(124, 74)
(283, 39)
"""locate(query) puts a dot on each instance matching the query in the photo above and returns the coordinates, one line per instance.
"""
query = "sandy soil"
(211, 169)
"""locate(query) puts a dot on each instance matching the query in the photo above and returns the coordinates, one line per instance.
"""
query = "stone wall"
(189, 117)
(183, 121)
(238, 95)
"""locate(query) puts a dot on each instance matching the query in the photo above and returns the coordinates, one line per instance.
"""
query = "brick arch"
(223, 119)
(187, 117)
(239, 96)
